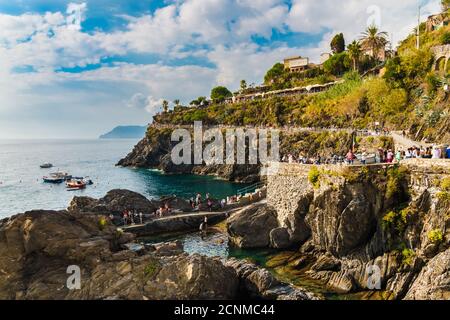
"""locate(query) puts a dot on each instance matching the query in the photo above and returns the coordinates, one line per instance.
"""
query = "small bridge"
(185, 222)
(176, 223)
(441, 53)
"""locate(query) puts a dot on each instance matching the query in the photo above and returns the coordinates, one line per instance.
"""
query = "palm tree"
(176, 102)
(165, 105)
(354, 51)
(374, 40)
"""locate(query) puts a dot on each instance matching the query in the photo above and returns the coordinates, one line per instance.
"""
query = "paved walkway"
(406, 143)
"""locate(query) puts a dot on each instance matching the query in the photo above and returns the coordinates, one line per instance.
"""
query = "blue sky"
(72, 69)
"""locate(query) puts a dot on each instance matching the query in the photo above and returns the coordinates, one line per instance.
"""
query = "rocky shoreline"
(337, 230)
(155, 153)
(37, 247)
(345, 225)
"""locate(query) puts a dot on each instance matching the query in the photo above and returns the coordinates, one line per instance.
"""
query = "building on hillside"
(382, 54)
(437, 21)
(296, 64)
(324, 57)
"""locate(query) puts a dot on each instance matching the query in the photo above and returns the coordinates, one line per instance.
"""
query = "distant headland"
(125, 132)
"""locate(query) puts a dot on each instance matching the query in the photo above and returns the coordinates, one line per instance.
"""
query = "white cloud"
(147, 103)
(218, 31)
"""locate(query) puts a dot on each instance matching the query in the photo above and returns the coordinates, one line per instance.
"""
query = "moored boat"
(57, 177)
(46, 166)
(75, 185)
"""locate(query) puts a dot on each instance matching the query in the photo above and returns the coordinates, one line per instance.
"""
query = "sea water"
(22, 187)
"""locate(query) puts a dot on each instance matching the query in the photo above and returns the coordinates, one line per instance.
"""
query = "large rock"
(154, 151)
(343, 217)
(37, 247)
(433, 282)
(115, 202)
(193, 277)
(250, 228)
(259, 283)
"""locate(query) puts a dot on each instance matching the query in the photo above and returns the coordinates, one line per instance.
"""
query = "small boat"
(53, 180)
(57, 177)
(75, 185)
(46, 166)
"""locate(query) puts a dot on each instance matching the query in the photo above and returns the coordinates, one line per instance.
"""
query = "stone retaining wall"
(287, 183)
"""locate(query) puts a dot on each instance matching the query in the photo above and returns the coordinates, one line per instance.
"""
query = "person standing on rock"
(210, 203)
(125, 217)
(204, 227)
(198, 199)
(141, 217)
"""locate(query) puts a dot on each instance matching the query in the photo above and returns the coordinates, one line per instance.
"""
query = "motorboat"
(57, 177)
(46, 166)
(75, 185)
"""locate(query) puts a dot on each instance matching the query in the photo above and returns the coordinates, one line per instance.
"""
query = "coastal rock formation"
(352, 227)
(118, 200)
(433, 282)
(261, 284)
(154, 151)
(38, 247)
(250, 228)
(343, 216)
(115, 202)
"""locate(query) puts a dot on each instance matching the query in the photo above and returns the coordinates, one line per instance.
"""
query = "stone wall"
(287, 183)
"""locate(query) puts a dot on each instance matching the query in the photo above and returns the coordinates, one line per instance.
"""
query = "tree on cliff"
(338, 64)
(243, 85)
(274, 73)
(374, 40)
(354, 52)
(165, 105)
(338, 43)
(219, 94)
(445, 5)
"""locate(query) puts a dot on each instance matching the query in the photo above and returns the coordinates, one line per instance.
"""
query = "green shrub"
(102, 223)
(445, 38)
(445, 184)
(395, 188)
(397, 220)
(444, 196)
(390, 219)
(408, 257)
(435, 236)
(314, 177)
(151, 269)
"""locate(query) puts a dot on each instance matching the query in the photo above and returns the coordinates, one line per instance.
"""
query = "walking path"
(402, 141)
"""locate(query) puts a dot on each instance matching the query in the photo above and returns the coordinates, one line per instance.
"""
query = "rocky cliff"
(41, 251)
(154, 151)
(347, 224)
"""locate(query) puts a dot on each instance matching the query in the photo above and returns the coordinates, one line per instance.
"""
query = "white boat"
(57, 177)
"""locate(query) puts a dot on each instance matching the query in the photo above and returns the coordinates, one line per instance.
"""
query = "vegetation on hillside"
(407, 95)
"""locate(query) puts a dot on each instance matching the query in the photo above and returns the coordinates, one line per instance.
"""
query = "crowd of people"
(130, 217)
(382, 155)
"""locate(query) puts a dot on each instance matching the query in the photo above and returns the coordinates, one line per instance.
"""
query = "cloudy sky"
(76, 69)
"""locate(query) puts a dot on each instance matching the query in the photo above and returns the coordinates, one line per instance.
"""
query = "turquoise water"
(215, 244)
(22, 189)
